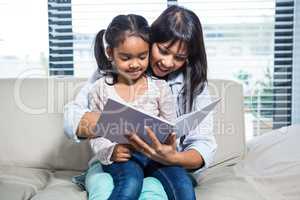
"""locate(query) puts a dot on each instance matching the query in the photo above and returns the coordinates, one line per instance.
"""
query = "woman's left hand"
(163, 153)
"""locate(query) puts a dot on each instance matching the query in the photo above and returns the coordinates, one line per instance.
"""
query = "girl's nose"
(133, 66)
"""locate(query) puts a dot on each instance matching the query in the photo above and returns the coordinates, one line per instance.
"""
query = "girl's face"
(165, 59)
(131, 57)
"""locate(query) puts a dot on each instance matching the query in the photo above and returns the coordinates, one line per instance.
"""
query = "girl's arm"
(105, 151)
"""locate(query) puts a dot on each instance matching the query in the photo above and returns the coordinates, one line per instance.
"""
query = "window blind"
(296, 66)
(284, 25)
(60, 37)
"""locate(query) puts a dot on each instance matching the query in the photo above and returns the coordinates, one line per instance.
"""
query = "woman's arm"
(166, 153)
(79, 121)
(87, 125)
(198, 148)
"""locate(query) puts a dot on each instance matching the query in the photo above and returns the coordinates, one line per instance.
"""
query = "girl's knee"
(153, 189)
(99, 178)
(101, 183)
(151, 183)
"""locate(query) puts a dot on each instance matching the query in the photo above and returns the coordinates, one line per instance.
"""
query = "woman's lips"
(162, 69)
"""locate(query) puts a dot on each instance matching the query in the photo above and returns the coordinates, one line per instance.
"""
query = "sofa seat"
(38, 184)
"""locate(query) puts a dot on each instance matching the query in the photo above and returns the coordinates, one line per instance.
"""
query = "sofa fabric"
(37, 161)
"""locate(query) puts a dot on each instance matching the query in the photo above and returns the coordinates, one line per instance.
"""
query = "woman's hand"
(121, 153)
(162, 153)
(87, 125)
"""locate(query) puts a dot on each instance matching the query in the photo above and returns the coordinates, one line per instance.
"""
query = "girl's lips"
(134, 73)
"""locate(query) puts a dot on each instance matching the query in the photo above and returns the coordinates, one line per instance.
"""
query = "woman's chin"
(158, 72)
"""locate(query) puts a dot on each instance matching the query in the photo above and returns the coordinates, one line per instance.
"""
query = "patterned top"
(157, 100)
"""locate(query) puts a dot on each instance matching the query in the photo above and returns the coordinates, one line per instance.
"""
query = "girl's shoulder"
(101, 85)
(156, 82)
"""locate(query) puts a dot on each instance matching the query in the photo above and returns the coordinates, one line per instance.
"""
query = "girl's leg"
(175, 180)
(98, 184)
(128, 180)
(153, 189)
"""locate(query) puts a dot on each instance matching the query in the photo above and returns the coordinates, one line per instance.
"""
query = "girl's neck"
(125, 81)
(131, 92)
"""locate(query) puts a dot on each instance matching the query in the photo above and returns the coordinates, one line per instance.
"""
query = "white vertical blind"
(239, 38)
(90, 16)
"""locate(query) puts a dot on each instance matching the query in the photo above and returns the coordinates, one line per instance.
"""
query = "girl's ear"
(109, 52)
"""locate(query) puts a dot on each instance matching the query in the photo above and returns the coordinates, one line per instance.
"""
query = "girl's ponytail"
(99, 52)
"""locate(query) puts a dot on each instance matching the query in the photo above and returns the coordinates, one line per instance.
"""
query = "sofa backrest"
(31, 123)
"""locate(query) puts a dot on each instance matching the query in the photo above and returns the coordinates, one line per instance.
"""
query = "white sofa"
(37, 161)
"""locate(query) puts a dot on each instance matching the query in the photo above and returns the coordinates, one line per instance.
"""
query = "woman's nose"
(168, 62)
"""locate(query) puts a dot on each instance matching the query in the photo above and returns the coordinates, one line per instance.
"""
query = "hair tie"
(105, 45)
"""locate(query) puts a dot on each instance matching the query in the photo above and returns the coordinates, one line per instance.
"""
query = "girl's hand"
(121, 153)
(162, 153)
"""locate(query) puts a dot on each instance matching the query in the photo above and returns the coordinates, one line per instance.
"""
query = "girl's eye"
(143, 57)
(125, 58)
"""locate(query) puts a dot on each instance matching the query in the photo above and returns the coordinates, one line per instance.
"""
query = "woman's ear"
(109, 53)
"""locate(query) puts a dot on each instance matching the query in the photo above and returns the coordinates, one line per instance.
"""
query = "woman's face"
(165, 59)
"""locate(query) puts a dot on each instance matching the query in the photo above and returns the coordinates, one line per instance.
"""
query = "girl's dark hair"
(180, 24)
(121, 26)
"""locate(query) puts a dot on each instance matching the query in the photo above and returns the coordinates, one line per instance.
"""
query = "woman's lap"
(99, 185)
(175, 180)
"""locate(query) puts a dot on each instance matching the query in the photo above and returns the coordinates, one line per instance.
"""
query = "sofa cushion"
(31, 123)
(18, 183)
(229, 129)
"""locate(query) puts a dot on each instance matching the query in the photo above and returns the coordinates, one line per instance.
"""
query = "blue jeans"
(128, 180)
(175, 180)
(167, 175)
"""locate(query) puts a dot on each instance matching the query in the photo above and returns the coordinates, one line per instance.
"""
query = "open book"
(119, 118)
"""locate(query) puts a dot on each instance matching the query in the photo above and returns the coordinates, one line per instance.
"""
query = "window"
(23, 38)
(239, 38)
(90, 16)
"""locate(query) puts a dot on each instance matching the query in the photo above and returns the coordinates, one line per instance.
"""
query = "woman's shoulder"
(203, 98)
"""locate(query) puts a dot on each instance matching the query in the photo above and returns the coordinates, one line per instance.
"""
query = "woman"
(178, 56)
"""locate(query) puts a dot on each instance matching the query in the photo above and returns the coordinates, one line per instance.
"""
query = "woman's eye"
(163, 51)
(180, 59)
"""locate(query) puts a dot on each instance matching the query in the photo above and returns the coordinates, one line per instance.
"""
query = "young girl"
(124, 58)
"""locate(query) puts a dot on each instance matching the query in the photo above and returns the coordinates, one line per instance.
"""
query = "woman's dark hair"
(121, 26)
(180, 24)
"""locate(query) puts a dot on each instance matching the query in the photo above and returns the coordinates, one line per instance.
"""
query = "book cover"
(119, 118)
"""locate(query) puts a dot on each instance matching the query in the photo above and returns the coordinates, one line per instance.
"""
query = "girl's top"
(157, 100)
